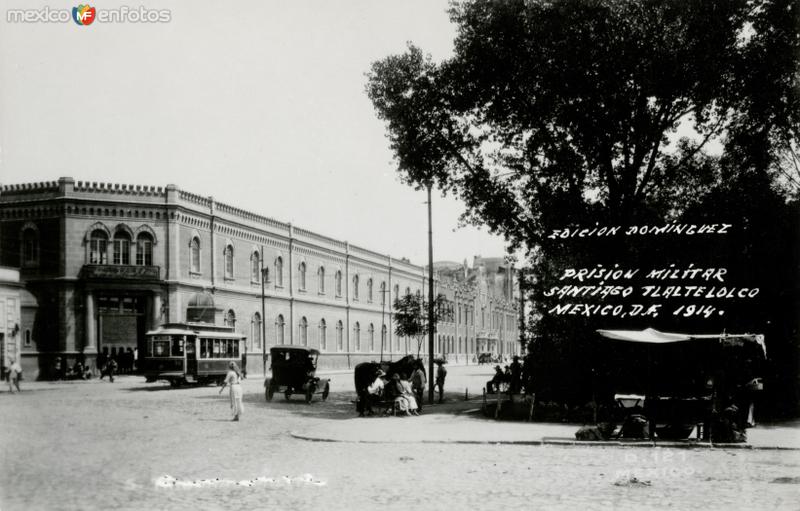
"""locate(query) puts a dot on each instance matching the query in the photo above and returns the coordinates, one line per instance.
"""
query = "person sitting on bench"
(499, 378)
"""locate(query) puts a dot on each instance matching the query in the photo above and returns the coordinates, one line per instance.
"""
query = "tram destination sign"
(115, 271)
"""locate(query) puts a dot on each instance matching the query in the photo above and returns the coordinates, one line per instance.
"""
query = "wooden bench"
(501, 399)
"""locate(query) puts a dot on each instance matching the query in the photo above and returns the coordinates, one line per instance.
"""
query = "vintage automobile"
(294, 371)
(681, 382)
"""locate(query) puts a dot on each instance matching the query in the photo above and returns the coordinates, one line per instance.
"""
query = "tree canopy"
(553, 113)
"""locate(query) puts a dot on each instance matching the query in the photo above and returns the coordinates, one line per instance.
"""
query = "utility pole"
(430, 298)
(264, 273)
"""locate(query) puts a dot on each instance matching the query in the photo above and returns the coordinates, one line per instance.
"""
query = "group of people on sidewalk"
(509, 380)
(404, 392)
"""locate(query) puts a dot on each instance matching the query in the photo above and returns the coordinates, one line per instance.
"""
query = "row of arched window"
(257, 272)
(336, 344)
(120, 247)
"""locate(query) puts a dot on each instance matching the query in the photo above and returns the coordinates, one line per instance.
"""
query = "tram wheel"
(326, 391)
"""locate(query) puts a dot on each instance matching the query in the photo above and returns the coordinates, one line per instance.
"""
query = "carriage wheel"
(270, 392)
(326, 391)
(310, 392)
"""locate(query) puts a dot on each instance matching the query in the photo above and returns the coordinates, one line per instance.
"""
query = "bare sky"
(260, 104)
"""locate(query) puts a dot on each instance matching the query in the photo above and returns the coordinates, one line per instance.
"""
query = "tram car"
(191, 353)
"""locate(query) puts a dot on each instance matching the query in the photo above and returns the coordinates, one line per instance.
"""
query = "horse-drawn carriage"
(294, 371)
(366, 373)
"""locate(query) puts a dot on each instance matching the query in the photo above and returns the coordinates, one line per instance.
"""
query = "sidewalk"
(474, 428)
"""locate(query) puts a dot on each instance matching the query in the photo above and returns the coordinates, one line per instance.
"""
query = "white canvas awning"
(652, 336)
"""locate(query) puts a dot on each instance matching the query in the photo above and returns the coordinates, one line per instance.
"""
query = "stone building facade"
(482, 308)
(102, 264)
(10, 317)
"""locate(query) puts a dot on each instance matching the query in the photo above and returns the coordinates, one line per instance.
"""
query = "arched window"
(279, 325)
(255, 267)
(356, 337)
(338, 283)
(301, 270)
(369, 290)
(144, 249)
(28, 341)
(98, 247)
(355, 287)
(383, 337)
(321, 279)
(408, 291)
(194, 249)
(396, 292)
(339, 336)
(122, 248)
(279, 272)
(30, 247)
(323, 334)
(303, 331)
(228, 261)
(230, 318)
(383, 293)
(371, 332)
(257, 330)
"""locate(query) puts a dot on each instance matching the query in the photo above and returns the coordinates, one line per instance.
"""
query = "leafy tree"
(558, 113)
(583, 112)
(411, 317)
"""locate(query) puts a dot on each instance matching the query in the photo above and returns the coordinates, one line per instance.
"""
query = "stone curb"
(566, 442)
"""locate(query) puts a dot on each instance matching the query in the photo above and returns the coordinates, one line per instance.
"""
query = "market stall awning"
(652, 336)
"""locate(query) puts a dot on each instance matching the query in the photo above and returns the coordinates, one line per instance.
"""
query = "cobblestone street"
(97, 445)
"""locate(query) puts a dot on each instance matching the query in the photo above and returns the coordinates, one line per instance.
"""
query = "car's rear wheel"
(270, 392)
(326, 391)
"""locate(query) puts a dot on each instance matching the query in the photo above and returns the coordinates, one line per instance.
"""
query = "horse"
(366, 372)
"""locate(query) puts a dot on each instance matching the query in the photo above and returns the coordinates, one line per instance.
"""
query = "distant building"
(482, 311)
(101, 264)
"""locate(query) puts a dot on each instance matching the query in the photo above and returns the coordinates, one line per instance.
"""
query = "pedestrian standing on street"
(232, 380)
(244, 363)
(418, 382)
(441, 374)
(14, 372)
(102, 360)
(109, 369)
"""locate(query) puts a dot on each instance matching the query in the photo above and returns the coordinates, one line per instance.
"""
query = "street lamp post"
(264, 274)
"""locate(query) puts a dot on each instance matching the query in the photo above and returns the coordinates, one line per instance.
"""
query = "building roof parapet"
(221, 207)
(119, 189)
(368, 255)
(304, 233)
(407, 266)
(29, 188)
(194, 198)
